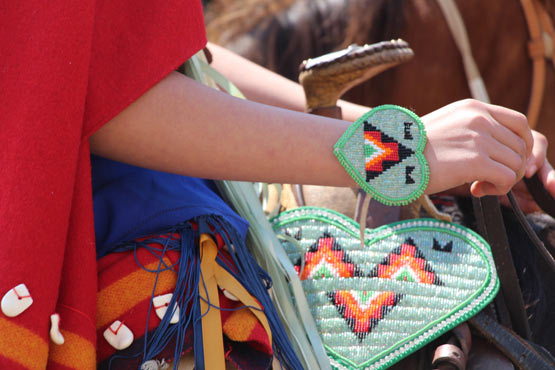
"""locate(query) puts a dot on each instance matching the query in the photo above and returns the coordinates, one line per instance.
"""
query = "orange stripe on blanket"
(239, 325)
(76, 352)
(122, 295)
(22, 345)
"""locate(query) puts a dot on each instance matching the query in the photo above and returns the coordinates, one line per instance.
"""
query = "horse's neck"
(498, 36)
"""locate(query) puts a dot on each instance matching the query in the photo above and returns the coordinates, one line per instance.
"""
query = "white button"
(118, 335)
(55, 333)
(161, 304)
(229, 295)
(16, 300)
(154, 365)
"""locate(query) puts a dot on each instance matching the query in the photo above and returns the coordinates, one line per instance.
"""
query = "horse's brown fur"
(291, 31)
(280, 34)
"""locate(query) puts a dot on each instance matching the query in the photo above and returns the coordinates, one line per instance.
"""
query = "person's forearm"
(183, 127)
(264, 86)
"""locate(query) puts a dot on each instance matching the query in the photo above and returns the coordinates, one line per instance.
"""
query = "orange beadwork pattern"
(363, 309)
(405, 262)
(364, 316)
(406, 259)
(381, 151)
(327, 258)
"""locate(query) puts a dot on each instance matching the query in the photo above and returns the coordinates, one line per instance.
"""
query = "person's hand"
(473, 142)
(537, 163)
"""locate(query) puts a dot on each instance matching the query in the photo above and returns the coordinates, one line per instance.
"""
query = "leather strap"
(211, 321)
(520, 352)
(491, 227)
(540, 46)
(540, 247)
(548, 32)
(332, 111)
(456, 25)
(541, 196)
(213, 275)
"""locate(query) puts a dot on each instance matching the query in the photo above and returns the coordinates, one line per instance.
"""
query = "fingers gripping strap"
(383, 151)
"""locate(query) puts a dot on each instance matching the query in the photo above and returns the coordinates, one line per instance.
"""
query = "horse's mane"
(300, 29)
(227, 20)
(550, 7)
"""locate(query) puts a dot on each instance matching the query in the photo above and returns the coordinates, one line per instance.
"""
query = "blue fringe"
(186, 295)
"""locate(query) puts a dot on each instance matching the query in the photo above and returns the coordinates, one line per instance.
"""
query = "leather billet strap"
(546, 255)
(541, 196)
(331, 112)
(540, 47)
(456, 25)
(490, 225)
(518, 351)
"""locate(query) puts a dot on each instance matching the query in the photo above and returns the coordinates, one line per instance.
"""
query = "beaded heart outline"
(383, 151)
(282, 225)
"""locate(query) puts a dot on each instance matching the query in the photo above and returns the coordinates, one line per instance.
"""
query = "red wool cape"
(66, 68)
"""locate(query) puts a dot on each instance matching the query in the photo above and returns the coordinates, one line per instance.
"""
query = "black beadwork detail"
(351, 322)
(298, 235)
(403, 152)
(408, 240)
(408, 172)
(442, 248)
(357, 272)
(408, 135)
(417, 254)
(437, 281)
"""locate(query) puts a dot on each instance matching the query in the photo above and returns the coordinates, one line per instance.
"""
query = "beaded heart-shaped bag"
(375, 304)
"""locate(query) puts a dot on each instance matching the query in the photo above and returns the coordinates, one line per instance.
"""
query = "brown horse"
(280, 34)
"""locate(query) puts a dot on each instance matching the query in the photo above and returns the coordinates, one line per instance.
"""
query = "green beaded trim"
(383, 151)
(459, 268)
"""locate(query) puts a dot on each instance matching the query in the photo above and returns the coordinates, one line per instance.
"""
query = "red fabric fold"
(67, 68)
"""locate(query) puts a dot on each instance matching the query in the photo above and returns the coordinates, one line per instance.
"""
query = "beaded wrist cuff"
(383, 151)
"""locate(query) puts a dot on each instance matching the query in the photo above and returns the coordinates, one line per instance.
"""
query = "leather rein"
(488, 215)
(540, 47)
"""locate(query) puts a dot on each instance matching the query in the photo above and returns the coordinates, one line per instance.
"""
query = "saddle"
(503, 326)
(454, 351)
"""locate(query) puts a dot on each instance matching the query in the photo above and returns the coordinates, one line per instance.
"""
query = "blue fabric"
(130, 202)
